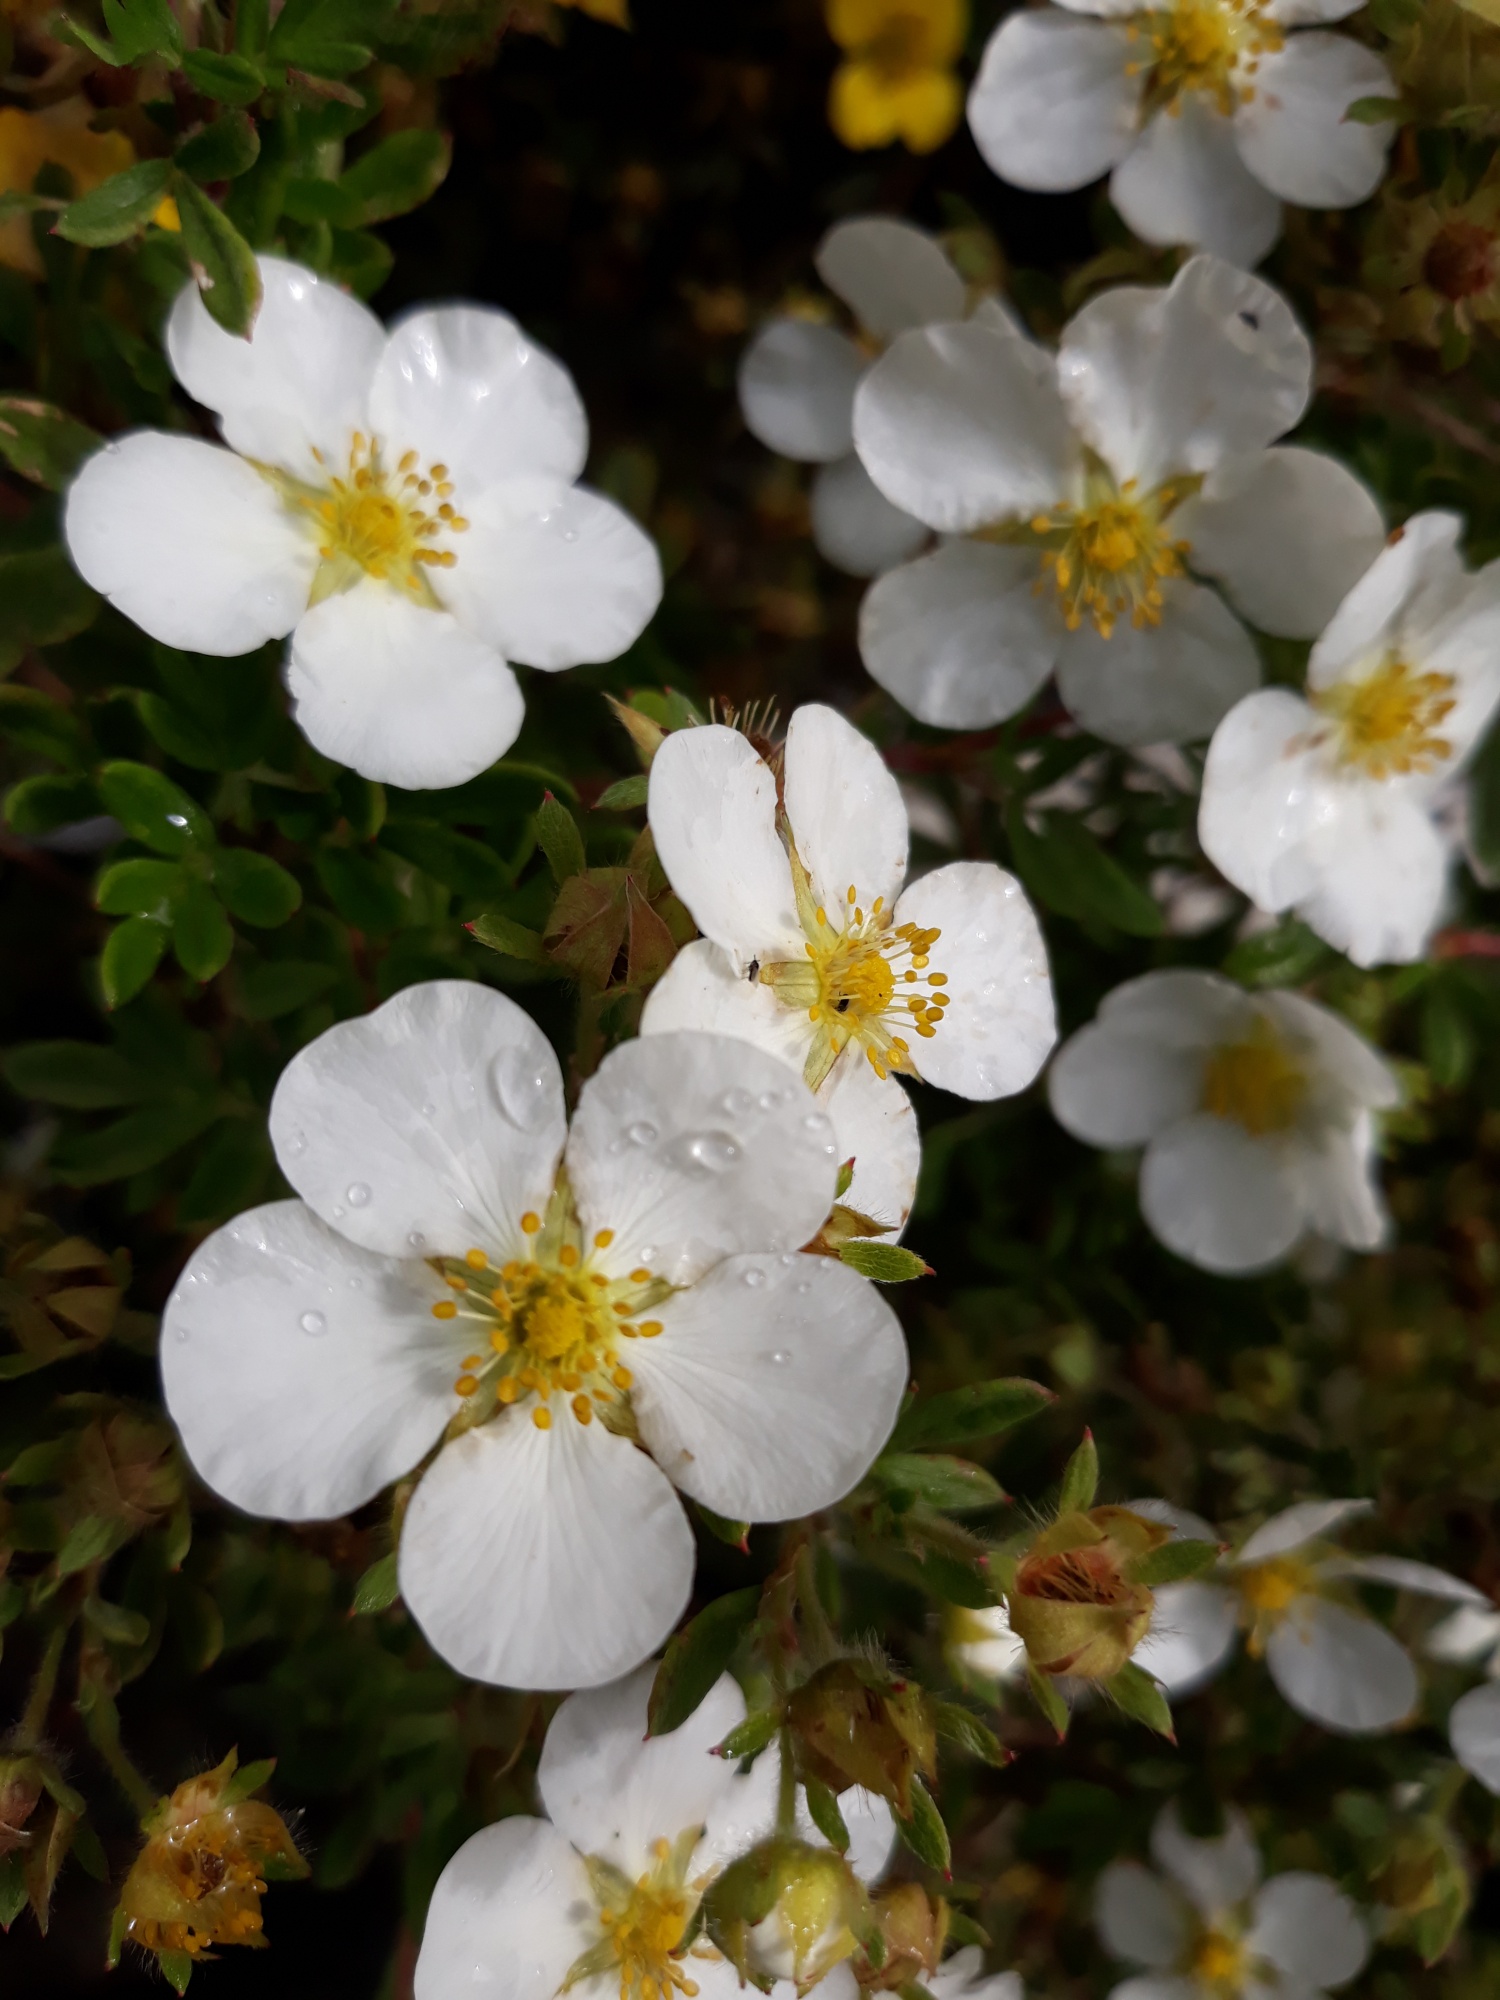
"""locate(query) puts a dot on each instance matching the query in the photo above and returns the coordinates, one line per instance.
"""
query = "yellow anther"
(603, 1238)
(852, 892)
(938, 979)
(531, 1222)
(640, 1276)
(445, 1309)
(509, 1390)
(542, 1418)
(622, 1378)
(466, 1385)
(568, 1256)
(476, 1260)
(500, 1340)
(472, 1361)
(458, 1284)
(649, 1329)
(440, 472)
(583, 1409)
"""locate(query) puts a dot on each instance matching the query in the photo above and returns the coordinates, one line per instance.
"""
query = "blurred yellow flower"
(616, 12)
(897, 80)
(29, 140)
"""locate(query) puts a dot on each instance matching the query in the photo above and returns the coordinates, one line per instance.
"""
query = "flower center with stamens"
(380, 521)
(1220, 1962)
(1268, 1590)
(1254, 1083)
(865, 979)
(645, 1925)
(1108, 557)
(548, 1324)
(1388, 723)
(1212, 46)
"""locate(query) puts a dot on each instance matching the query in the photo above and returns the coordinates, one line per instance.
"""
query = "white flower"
(963, 1977)
(1291, 1589)
(1470, 1635)
(1328, 802)
(402, 504)
(1474, 1732)
(599, 1898)
(1212, 1930)
(981, 1646)
(1255, 1112)
(1090, 490)
(580, 1326)
(812, 949)
(1206, 114)
(797, 379)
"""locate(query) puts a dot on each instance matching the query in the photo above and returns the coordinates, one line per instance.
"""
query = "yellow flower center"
(1108, 557)
(1268, 1591)
(1212, 46)
(644, 1925)
(1387, 723)
(1254, 1083)
(380, 521)
(864, 977)
(548, 1324)
(1220, 1962)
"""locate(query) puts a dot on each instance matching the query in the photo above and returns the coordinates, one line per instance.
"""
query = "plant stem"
(33, 1723)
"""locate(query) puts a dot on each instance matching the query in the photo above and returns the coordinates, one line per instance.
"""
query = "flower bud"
(1073, 1604)
(913, 1927)
(787, 1910)
(20, 1788)
(859, 1725)
(209, 1851)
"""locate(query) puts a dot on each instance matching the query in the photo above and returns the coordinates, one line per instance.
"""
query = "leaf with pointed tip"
(958, 1415)
(1173, 1562)
(694, 1659)
(1049, 1699)
(1137, 1695)
(823, 1806)
(923, 1830)
(378, 1588)
(1080, 1480)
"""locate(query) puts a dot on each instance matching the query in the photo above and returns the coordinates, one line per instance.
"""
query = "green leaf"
(41, 805)
(501, 933)
(395, 176)
(1049, 1699)
(131, 1144)
(924, 1832)
(1137, 1695)
(81, 1075)
(255, 888)
(249, 1779)
(202, 936)
(559, 839)
(221, 151)
(694, 1659)
(229, 79)
(959, 1415)
(454, 859)
(280, 986)
(89, 1540)
(378, 1588)
(751, 1736)
(886, 1263)
(43, 600)
(153, 810)
(1066, 868)
(132, 952)
(1080, 1480)
(13, 1892)
(951, 1484)
(232, 1168)
(324, 37)
(222, 261)
(117, 1625)
(1289, 955)
(823, 1809)
(140, 888)
(1378, 111)
(43, 443)
(118, 208)
(1449, 1044)
(624, 794)
(734, 1533)
(1173, 1562)
(361, 893)
(960, 1725)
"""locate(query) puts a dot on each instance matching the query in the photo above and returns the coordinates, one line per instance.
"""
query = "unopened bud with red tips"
(1075, 1602)
(859, 1724)
(913, 1928)
(790, 1911)
(210, 1850)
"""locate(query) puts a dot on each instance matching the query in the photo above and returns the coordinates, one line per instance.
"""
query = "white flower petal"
(1418, 571)
(872, 1832)
(1139, 1917)
(1474, 1732)
(399, 693)
(565, 584)
(772, 1386)
(545, 1559)
(189, 542)
(614, 1791)
(1310, 13)
(1264, 795)
(1166, 683)
(1401, 1574)
(1295, 1526)
(1000, 1022)
(1185, 1525)
(797, 381)
(1111, 1087)
(854, 526)
(1463, 641)
(844, 808)
(1309, 1930)
(692, 1147)
(703, 989)
(303, 1374)
(890, 274)
(1156, 1986)
(712, 808)
(1219, 1197)
(1293, 133)
(1184, 1008)
(1193, 1632)
(1341, 1669)
(507, 1916)
(1215, 1874)
(960, 637)
(1466, 1635)
(1287, 533)
(875, 1126)
(300, 381)
(963, 1977)
(1338, 1184)
(428, 1127)
(1184, 182)
(1054, 105)
(462, 386)
(1379, 875)
(962, 426)
(1166, 382)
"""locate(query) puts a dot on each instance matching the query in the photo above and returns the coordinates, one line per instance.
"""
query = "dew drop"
(429, 1109)
(570, 534)
(816, 1126)
(182, 1336)
(641, 1133)
(648, 1251)
(705, 1152)
(313, 1322)
(804, 1287)
(176, 819)
(754, 1277)
(736, 1102)
(788, 1258)
(357, 1195)
(297, 1144)
(770, 1099)
(339, 1211)
(525, 1089)
(780, 1358)
(417, 1240)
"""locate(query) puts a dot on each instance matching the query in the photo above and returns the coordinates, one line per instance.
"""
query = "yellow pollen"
(367, 522)
(542, 1418)
(445, 1309)
(1108, 557)
(1213, 47)
(476, 1260)
(531, 1222)
(649, 1329)
(583, 1409)
(466, 1385)
(459, 1284)
(500, 1340)
(603, 1238)
(622, 1378)
(1387, 723)
(640, 1276)
(1255, 1083)
(1275, 1585)
(567, 1256)
(1219, 1963)
(509, 1389)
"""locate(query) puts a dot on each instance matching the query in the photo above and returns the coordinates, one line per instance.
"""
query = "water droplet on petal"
(182, 1336)
(313, 1322)
(417, 1240)
(780, 1358)
(804, 1287)
(769, 1099)
(754, 1276)
(297, 1145)
(647, 1252)
(429, 1109)
(816, 1126)
(705, 1153)
(736, 1102)
(570, 534)
(525, 1089)
(641, 1133)
(357, 1195)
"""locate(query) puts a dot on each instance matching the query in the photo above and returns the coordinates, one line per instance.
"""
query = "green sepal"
(924, 1831)
(1137, 1695)
(1080, 1480)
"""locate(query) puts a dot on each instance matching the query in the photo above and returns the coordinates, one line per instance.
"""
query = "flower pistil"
(647, 1926)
